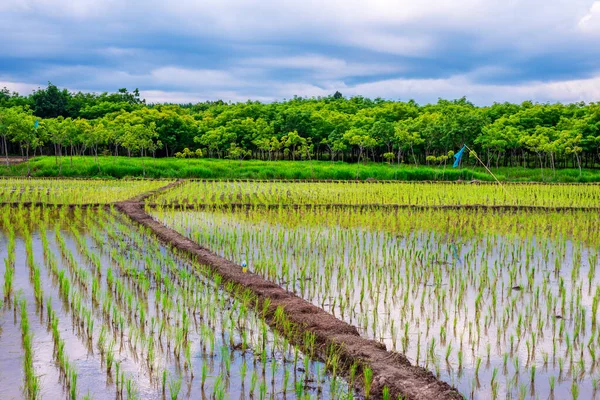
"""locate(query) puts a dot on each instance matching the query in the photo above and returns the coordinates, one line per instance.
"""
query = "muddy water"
(275, 373)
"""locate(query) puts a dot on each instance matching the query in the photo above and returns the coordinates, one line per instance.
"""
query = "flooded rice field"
(500, 305)
(94, 307)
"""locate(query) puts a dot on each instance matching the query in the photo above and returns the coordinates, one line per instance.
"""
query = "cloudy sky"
(191, 50)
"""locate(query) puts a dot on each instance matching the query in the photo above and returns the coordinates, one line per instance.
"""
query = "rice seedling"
(134, 305)
(519, 278)
(174, 387)
(352, 193)
(72, 191)
(32, 381)
(502, 297)
(368, 380)
(9, 273)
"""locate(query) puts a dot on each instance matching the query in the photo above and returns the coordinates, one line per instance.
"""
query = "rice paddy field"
(381, 193)
(73, 191)
(499, 303)
(96, 308)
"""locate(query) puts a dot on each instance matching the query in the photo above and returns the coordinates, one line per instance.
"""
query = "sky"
(189, 51)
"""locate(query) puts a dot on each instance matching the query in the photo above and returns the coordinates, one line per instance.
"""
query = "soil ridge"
(390, 369)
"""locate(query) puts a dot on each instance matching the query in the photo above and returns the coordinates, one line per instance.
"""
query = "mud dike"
(390, 369)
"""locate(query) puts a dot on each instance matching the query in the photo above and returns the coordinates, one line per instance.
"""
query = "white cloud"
(194, 78)
(78, 9)
(113, 51)
(428, 90)
(392, 43)
(19, 87)
(591, 21)
(159, 96)
(422, 90)
(403, 27)
(307, 61)
(406, 27)
(571, 90)
(323, 67)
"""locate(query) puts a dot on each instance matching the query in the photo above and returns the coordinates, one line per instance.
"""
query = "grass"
(124, 167)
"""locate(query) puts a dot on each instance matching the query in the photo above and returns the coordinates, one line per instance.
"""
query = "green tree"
(217, 140)
(55, 134)
(407, 138)
(498, 138)
(97, 135)
(292, 143)
(384, 133)
(362, 140)
(50, 102)
(235, 152)
(21, 129)
(139, 138)
(4, 124)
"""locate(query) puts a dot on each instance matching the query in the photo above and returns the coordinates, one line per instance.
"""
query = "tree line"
(52, 121)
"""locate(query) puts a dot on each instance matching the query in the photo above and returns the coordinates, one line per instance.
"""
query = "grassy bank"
(122, 167)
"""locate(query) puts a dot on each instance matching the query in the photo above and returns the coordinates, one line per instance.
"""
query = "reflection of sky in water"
(309, 251)
(92, 377)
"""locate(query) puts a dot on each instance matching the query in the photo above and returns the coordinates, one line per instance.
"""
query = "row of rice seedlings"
(72, 293)
(117, 314)
(73, 301)
(182, 315)
(32, 385)
(196, 299)
(352, 193)
(34, 269)
(32, 381)
(68, 371)
(9, 261)
(182, 335)
(73, 191)
(106, 344)
(68, 292)
(478, 297)
(74, 296)
(69, 260)
(126, 290)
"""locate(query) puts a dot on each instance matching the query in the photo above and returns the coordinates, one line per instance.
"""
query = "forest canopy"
(58, 122)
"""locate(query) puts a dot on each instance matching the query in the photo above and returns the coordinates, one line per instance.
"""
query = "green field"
(420, 194)
(125, 167)
(497, 303)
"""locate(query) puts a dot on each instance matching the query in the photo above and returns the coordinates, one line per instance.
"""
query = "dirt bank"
(390, 369)
(12, 160)
(142, 197)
